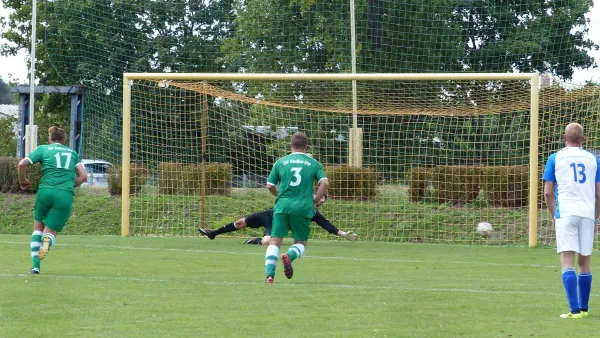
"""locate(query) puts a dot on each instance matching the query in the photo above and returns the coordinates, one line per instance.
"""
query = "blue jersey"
(575, 173)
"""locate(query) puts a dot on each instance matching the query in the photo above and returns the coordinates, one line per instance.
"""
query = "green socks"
(271, 260)
(295, 251)
(36, 244)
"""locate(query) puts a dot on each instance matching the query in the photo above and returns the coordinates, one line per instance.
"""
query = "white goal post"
(533, 78)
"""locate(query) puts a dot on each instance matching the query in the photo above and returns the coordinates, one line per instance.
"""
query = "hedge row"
(455, 184)
(185, 179)
(418, 180)
(344, 182)
(9, 176)
(138, 176)
(504, 186)
(351, 183)
(176, 178)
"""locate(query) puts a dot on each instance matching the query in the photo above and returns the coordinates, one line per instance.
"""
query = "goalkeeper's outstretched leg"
(265, 219)
(255, 220)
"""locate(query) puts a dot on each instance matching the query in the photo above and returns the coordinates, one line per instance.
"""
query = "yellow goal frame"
(534, 79)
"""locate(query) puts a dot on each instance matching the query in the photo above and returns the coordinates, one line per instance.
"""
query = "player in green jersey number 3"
(61, 173)
(291, 180)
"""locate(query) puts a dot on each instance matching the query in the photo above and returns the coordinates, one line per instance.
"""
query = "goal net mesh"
(94, 42)
(438, 157)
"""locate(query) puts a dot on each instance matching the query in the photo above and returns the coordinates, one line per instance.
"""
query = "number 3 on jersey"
(58, 160)
(578, 176)
(297, 178)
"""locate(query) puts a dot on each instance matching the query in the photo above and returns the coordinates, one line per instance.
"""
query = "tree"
(8, 142)
(93, 42)
(289, 36)
(297, 36)
(5, 95)
(531, 35)
(412, 36)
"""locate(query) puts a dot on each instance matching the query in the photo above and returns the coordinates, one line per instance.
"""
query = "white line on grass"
(138, 279)
(343, 258)
(131, 279)
(533, 293)
(290, 284)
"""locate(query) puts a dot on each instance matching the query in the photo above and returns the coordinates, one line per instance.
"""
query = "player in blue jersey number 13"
(291, 180)
(572, 191)
(61, 173)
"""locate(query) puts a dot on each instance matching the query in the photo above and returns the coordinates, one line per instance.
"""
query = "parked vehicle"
(97, 171)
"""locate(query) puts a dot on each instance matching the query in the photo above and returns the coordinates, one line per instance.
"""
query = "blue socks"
(570, 282)
(585, 285)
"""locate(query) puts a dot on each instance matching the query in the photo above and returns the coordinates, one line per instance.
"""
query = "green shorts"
(53, 208)
(299, 225)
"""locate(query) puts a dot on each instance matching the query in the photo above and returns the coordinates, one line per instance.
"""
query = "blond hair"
(57, 134)
(574, 132)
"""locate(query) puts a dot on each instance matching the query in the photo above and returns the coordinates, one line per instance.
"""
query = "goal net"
(409, 158)
(402, 129)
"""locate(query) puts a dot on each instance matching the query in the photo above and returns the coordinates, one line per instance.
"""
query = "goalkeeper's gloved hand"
(349, 235)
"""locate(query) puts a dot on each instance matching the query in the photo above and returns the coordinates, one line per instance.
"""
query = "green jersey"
(58, 166)
(295, 174)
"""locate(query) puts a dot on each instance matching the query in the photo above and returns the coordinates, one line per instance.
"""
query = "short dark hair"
(299, 141)
(57, 134)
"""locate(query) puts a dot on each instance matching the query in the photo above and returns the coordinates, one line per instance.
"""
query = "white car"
(97, 171)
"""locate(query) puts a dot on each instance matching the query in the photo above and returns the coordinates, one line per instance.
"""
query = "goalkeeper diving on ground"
(265, 218)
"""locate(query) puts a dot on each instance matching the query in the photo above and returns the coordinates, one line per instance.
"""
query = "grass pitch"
(105, 286)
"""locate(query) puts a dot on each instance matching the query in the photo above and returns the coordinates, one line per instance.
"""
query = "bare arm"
(597, 215)
(272, 188)
(81, 174)
(321, 191)
(22, 169)
(551, 200)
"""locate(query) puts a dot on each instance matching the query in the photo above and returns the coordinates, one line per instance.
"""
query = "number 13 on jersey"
(578, 172)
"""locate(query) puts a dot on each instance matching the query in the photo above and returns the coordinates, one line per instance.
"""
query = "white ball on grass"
(485, 229)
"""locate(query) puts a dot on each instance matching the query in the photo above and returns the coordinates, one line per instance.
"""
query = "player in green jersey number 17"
(291, 180)
(61, 173)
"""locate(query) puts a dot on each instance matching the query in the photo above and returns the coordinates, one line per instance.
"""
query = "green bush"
(351, 183)
(417, 183)
(138, 176)
(506, 186)
(455, 184)
(8, 139)
(9, 176)
(186, 179)
(219, 177)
